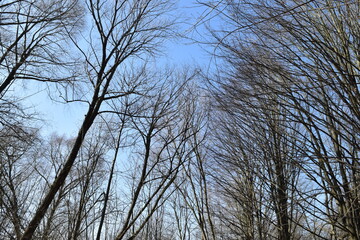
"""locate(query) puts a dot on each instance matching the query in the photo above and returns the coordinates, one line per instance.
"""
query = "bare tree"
(70, 215)
(163, 128)
(17, 185)
(308, 52)
(33, 40)
(256, 164)
(120, 30)
(194, 192)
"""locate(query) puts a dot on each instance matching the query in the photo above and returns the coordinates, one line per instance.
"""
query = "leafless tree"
(26, 173)
(33, 40)
(16, 148)
(120, 30)
(308, 52)
(193, 188)
(256, 164)
(163, 131)
(32, 47)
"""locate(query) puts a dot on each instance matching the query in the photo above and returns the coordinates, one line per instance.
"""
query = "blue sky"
(65, 119)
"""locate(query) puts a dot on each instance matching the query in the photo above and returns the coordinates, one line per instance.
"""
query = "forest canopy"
(259, 141)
